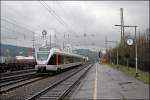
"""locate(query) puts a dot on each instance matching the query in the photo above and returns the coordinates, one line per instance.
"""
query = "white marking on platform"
(95, 83)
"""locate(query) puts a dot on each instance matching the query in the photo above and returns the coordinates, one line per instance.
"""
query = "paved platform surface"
(104, 82)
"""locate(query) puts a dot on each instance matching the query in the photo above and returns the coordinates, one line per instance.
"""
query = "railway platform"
(104, 82)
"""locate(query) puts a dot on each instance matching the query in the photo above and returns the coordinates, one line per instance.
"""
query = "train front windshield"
(42, 56)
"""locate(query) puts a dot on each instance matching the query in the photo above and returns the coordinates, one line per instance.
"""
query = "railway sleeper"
(61, 90)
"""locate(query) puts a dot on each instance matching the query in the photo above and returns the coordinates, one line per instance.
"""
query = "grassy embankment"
(143, 76)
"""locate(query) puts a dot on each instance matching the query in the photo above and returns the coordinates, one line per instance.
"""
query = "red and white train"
(54, 59)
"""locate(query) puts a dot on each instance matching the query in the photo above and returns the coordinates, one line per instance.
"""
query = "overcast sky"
(86, 22)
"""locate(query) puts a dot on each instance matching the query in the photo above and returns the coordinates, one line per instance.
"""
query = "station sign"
(43, 49)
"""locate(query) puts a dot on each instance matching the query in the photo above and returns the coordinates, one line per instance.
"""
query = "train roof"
(54, 50)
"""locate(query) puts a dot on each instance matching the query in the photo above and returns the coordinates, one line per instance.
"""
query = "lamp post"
(136, 59)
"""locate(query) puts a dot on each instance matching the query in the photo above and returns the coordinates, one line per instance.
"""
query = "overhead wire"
(22, 24)
(18, 31)
(58, 18)
(8, 21)
(63, 10)
(55, 13)
(48, 9)
(64, 23)
(72, 25)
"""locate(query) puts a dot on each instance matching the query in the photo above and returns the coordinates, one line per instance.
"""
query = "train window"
(76, 59)
(68, 59)
(61, 59)
(42, 56)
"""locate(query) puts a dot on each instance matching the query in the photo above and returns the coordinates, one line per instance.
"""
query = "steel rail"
(5, 90)
(62, 96)
(6, 74)
(4, 84)
(57, 83)
(16, 77)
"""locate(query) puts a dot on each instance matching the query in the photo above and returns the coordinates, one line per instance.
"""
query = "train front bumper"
(41, 68)
(46, 67)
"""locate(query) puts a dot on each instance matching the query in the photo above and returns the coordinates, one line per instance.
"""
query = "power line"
(49, 10)
(64, 12)
(8, 21)
(10, 30)
(53, 13)
(14, 11)
(13, 30)
(64, 23)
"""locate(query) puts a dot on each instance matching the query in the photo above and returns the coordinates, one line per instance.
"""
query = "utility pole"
(55, 39)
(121, 23)
(117, 50)
(122, 28)
(50, 41)
(33, 40)
(68, 39)
(106, 47)
(136, 52)
(64, 42)
(110, 56)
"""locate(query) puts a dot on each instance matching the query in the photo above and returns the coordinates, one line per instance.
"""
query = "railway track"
(13, 86)
(16, 77)
(6, 74)
(37, 89)
(60, 88)
(9, 81)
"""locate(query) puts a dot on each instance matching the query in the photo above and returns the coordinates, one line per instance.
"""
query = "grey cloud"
(96, 19)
